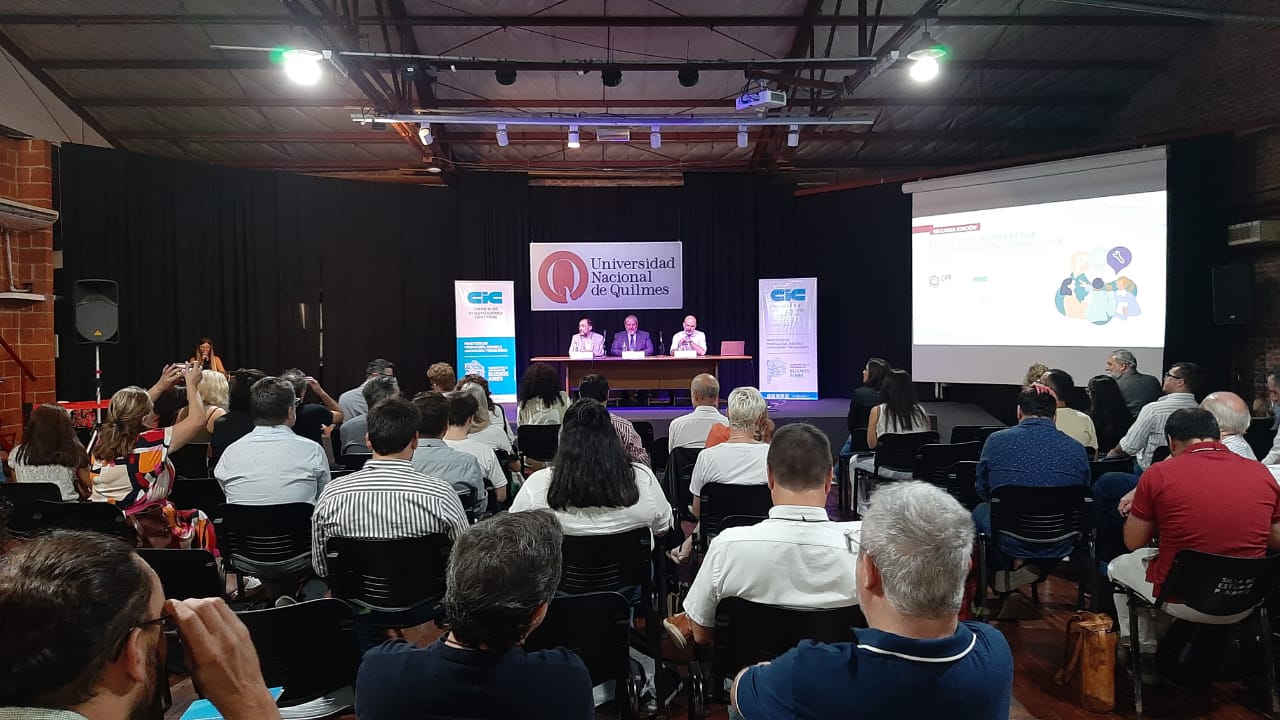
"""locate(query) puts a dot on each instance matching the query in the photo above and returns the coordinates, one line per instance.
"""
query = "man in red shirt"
(1204, 498)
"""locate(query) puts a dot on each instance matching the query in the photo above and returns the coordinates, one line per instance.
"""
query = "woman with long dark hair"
(898, 411)
(542, 399)
(591, 486)
(1111, 418)
(867, 396)
(51, 453)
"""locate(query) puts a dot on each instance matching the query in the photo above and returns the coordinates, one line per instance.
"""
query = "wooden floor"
(1037, 651)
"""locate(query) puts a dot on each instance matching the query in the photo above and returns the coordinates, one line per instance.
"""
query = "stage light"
(424, 134)
(575, 140)
(302, 66)
(793, 136)
(611, 76)
(655, 137)
(742, 136)
(505, 75)
(503, 140)
(688, 76)
(924, 69)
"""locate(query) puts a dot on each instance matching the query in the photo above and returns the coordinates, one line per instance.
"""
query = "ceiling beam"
(657, 21)
(553, 103)
(425, 88)
(517, 138)
(803, 44)
(583, 164)
(43, 78)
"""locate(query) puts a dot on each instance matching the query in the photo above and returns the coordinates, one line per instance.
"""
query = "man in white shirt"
(352, 401)
(587, 341)
(1233, 419)
(691, 430)
(462, 411)
(797, 558)
(1147, 432)
(272, 465)
(690, 337)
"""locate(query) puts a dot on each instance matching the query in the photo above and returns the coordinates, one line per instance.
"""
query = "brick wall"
(26, 175)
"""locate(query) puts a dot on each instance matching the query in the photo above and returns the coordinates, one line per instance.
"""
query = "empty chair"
(895, 456)
(933, 461)
(720, 501)
(269, 542)
(391, 583)
(311, 650)
(1046, 517)
(204, 493)
(22, 496)
(596, 627)
(960, 483)
(185, 574)
(96, 517)
(970, 433)
(676, 480)
(644, 429)
(660, 453)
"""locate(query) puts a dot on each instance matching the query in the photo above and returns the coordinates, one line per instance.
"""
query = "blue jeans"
(1108, 521)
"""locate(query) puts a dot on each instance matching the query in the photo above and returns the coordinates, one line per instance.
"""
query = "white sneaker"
(1010, 580)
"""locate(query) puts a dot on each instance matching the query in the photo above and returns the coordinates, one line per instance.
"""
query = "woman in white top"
(898, 412)
(592, 487)
(741, 459)
(542, 399)
(51, 453)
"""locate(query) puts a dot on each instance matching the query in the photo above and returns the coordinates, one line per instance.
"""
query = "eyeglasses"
(1171, 375)
(166, 620)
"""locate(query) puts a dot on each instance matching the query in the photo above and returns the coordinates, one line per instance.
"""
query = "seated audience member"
(271, 465)
(503, 573)
(435, 458)
(483, 428)
(129, 461)
(497, 414)
(917, 660)
(1204, 497)
(442, 377)
(596, 387)
(899, 413)
(351, 433)
(462, 412)
(206, 359)
(352, 402)
(237, 421)
(1034, 373)
(1110, 415)
(865, 397)
(587, 341)
(1273, 395)
(1071, 422)
(52, 453)
(312, 418)
(689, 337)
(1181, 384)
(1233, 419)
(1032, 453)
(691, 429)
(1137, 389)
(65, 658)
(387, 499)
(797, 558)
(742, 458)
(214, 391)
(542, 399)
(592, 486)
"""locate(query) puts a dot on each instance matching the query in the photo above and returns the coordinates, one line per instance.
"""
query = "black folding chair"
(538, 443)
(1046, 517)
(191, 460)
(22, 496)
(353, 462)
(1160, 453)
(895, 452)
(964, 433)
(1260, 436)
(1098, 468)
(310, 649)
(933, 461)
(203, 494)
(1219, 586)
(185, 574)
(676, 480)
(269, 542)
(748, 632)
(719, 501)
(960, 483)
(99, 517)
(390, 583)
(596, 627)
(660, 454)
(644, 429)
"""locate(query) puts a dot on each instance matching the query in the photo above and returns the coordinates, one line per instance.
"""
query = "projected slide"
(1079, 273)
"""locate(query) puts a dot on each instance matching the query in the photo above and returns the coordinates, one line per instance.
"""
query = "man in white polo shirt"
(690, 337)
(691, 430)
(797, 558)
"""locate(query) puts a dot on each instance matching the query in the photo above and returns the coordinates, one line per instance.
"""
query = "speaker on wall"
(97, 317)
(1233, 294)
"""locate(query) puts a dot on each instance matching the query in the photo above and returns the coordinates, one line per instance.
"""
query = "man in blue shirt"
(1033, 453)
(916, 660)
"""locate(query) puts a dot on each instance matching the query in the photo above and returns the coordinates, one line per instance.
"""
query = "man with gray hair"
(916, 659)
(351, 434)
(691, 430)
(1136, 389)
(1233, 419)
(502, 575)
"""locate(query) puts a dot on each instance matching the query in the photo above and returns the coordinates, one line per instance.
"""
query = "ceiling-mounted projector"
(761, 100)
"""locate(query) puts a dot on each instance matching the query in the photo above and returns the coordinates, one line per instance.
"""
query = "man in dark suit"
(1136, 389)
(633, 338)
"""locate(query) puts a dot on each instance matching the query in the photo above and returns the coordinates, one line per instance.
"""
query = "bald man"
(689, 337)
(1233, 421)
(691, 430)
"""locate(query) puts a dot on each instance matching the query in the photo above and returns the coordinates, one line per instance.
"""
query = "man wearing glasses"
(82, 636)
(1181, 385)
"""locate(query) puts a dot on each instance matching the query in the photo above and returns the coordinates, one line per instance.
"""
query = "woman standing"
(51, 453)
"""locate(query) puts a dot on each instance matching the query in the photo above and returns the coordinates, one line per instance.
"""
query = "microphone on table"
(662, 348)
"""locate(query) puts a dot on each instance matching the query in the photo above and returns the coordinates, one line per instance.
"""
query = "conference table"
(655, 372)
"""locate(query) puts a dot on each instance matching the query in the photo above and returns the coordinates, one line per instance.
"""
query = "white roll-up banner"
(789, 339)
(486, 330)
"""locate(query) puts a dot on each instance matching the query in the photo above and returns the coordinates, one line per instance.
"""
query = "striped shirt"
(1147, 432)
(387, 500)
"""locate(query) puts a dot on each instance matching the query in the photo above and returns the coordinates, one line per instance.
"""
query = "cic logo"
(784, 294)
(562, 276)
(493, 297)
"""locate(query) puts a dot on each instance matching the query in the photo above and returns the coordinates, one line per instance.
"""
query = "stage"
(828, 414)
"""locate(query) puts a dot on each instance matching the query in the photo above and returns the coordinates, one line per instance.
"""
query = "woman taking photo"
(205, 358)
(215, 394)
(51, 453)
(592, 487)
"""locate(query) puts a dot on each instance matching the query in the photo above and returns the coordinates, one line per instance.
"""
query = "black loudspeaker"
(1233, 294)
(97, 317)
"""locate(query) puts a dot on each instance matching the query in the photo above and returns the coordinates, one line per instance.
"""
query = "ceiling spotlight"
(505, 75)
(503, 139)
(409, 71)
(453, 68)
(742, 136)
(927, 48)
(924, 69)
(793, 136)
(424, 134)
(302, 66)
(611, 76)
(655, 137)
(688, 76)
(575, 140)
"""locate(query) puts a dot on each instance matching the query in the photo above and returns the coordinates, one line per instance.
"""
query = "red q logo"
(562, 276)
